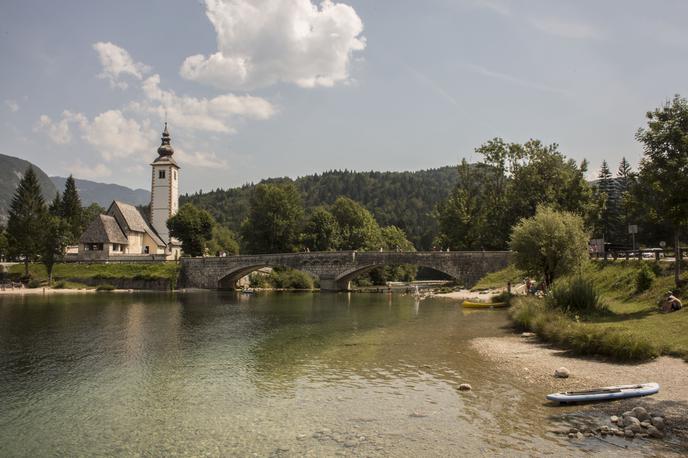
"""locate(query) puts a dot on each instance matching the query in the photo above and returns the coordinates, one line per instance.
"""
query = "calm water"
(272, 375)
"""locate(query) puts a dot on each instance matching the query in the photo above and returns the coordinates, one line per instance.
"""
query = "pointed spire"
(165, 146)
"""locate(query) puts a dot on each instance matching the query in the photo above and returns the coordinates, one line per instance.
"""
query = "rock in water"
(658, 422)
(465, 387)
(562, 372)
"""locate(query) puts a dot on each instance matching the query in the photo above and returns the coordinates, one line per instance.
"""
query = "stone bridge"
(335, 269)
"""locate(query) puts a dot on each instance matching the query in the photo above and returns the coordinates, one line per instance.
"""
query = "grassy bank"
(630, 328)
(75, 272)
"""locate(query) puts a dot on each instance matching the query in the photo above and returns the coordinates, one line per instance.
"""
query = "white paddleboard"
(605, 393)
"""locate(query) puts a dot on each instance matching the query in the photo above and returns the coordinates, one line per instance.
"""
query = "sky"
(253, 89)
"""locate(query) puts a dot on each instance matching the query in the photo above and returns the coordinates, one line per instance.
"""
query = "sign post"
(633, 229)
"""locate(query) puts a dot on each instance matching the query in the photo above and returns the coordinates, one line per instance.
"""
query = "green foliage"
(105, 287)
(662, 180)
(274, 220)
(26, 216)
(223, 240)
(501, 278)
(193, 227)
(55, 236)
(504, 296)
(644, 278)
(403, 199)
(89, 213)
(34, 283)
(510, 183)
(321, 231)
(4, 245)
(550, 244)
(290, 279)
(358, 228)
(576, 296)
(71, 210)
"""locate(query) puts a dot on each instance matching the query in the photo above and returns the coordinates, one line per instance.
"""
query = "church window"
(161, 174)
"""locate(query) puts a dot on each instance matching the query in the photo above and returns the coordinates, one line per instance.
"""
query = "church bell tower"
(164, 189)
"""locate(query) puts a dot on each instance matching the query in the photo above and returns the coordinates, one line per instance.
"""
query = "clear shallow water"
(223, 374)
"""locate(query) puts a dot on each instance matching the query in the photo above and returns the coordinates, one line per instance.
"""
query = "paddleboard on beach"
(605, 393)
(484, 305)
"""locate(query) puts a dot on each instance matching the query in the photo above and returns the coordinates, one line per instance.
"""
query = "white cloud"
(80, 170)
(261, 42)
(12, 105)
(116, 136)
(200, 159)
(564, 29)
(59, 131)
(217, 114)
(117, 61)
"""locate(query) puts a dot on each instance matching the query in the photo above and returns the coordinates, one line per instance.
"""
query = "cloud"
(217, 114)
(261, 42)
(81, 170)
(515, 80)
(12, 105)
(116, 136)
(564, 29)
(117, 61)
(59, 131)
(200, 159)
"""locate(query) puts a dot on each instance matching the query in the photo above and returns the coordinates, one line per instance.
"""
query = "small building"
(122, 232)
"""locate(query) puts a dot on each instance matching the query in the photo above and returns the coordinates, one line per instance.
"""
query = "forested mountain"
(403, 199)
(104, 193)
(11, 171)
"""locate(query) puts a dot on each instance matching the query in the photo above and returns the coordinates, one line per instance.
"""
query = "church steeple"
(165, 148)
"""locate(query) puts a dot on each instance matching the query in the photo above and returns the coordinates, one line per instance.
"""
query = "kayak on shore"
(605, 393)
(484, 305)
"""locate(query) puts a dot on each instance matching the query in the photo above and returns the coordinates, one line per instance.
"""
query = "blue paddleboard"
(605, 393)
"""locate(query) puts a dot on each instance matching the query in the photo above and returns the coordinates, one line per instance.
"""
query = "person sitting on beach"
(671, 303)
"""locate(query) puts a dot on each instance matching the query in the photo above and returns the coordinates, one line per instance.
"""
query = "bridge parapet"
(336, 268)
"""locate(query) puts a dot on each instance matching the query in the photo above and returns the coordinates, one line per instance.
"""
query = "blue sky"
(260, 88)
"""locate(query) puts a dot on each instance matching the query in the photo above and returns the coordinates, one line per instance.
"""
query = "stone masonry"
(336, 269)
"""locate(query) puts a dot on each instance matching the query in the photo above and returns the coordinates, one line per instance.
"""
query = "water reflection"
(286, 374)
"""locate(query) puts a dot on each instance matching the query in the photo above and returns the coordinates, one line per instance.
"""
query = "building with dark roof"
(122, 232)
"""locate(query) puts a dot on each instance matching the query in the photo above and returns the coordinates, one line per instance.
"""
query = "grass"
(500, 278)
(74, 271)
(631, 329)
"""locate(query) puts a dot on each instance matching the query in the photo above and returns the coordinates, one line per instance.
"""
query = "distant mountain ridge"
(104, 193)
(12, 170)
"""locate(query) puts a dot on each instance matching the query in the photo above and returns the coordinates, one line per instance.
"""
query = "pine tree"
(71, 209)
(626, 178)
(625, 175)
(26, 217)
(609, 199)
(55, 207)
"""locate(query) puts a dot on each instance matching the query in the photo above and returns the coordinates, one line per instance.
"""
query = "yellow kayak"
(484, 305)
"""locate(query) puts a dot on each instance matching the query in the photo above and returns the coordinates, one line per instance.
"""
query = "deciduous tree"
(193, 227)
(321, 231)
(550, 244)
(55, 236)
(663, 175)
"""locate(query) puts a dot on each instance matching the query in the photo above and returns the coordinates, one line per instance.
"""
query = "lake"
(283, 374)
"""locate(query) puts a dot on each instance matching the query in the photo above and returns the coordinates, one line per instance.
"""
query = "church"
(123, 234)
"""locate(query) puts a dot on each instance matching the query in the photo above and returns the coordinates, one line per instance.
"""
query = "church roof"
(103, 229)
(130, 218)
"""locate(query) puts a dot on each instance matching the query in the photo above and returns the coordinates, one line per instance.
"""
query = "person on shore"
(671, 303)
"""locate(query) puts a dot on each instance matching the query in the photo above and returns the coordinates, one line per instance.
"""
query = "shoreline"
(531, 360)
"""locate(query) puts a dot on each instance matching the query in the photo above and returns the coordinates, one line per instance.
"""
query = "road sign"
(632, 228)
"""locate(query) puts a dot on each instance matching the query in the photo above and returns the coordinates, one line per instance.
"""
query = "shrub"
(577, 295)
(644, 278)
(258, 280)
(290, 279)
(34, 283)
(60, 285)
(105, 287)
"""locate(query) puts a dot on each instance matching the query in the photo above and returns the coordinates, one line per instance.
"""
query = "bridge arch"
(228, 280)
(344, 278)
